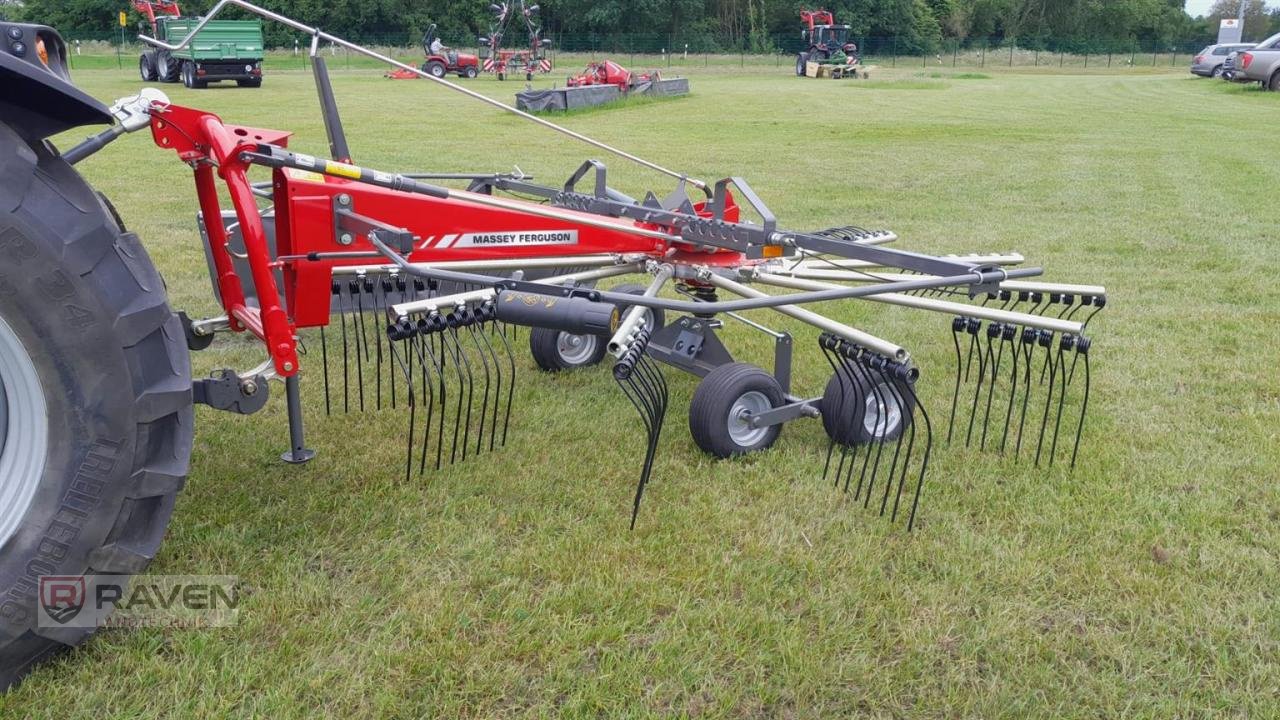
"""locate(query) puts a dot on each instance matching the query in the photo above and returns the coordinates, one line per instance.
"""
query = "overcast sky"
(1197, 8)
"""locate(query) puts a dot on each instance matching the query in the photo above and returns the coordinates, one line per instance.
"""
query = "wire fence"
(90, 50)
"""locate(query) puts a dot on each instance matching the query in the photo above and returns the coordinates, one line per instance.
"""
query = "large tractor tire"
(167, 67)
(95, 397)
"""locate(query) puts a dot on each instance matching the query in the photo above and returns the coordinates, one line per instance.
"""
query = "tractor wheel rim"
(576, 349)
(882, 414)
(24, 432)
(748, 405)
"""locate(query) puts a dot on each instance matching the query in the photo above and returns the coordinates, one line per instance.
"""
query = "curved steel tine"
(984, 361)
(484, 402)
(450, 350)
(374, 305)
(859, 401)
(343, 309)
(924, 464)
(422, 348)
(497, 391)
(362, 340)
(1026, 393)
(1015, 352)
(875, 434)
(831, 442)
(511, 385)
(324, 364)
(1048, 401)
(465, 362)
(896, 397)
(957, 325)
(906, 460)
(413, 407)
(1084, 408)
(995, 376)
(1062, 397)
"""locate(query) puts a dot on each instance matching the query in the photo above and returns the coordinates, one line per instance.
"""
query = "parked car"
(1208, 62)
(1262, 63)
(1229, 67)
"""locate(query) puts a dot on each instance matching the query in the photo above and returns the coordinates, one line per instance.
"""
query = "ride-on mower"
(441, 60)
(410, 292)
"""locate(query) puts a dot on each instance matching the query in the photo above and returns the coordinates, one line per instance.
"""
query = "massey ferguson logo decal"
(501, 239)
(62, 596)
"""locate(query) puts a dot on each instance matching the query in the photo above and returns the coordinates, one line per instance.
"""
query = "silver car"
(1208, 62)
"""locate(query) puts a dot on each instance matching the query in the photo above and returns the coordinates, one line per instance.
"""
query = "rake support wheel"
(723, 404)
(655, 321)
(556, 350)
(95, 397)
(864, 408)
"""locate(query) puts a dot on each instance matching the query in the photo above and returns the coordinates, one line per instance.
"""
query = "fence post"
(1086, 60)
(1153, 57)
(1037, 62)
(1108, 58)
(955, 52)
(895, 53)
(1011, 56)
(1062, 57)
(983, 60)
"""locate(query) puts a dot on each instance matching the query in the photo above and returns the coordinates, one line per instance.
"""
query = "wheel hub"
(883, 413)
(744, 408)
(24, 431)
(576, 349)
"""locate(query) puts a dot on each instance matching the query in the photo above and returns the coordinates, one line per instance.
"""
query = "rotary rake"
(417, 292)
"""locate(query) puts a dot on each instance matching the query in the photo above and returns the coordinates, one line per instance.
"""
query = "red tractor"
(441, 60)
(609, 72)
(826, 42)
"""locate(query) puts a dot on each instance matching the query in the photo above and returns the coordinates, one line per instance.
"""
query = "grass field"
(1143, 584)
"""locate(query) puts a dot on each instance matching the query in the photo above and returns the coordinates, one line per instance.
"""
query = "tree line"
(710, 25)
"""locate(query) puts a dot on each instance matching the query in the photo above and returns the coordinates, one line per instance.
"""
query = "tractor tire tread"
(58, 218)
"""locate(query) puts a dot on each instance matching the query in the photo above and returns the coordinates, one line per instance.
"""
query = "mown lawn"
(1142, 584)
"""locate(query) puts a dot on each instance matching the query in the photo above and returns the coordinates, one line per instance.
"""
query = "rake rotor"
(426, 285)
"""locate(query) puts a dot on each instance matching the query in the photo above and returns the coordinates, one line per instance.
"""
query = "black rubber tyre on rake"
(656, 320)
(861, 410)
(554, 350)
(723, 404)
(95, 390)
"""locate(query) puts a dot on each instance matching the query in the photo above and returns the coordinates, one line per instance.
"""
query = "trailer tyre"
(96, 425)
(723, 404)
(147, 67)
(167, 67)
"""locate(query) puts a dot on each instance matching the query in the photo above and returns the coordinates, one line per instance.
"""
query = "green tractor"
(826, 42)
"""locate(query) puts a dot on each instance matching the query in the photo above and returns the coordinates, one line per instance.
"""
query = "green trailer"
(222, 50)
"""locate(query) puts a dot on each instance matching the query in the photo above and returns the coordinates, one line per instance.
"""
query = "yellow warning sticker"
(343, 169)
(304, 175)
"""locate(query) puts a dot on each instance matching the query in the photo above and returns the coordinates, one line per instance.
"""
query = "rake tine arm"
(941, 306)
(853, 335)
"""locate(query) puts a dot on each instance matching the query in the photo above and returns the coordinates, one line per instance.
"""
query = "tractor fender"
(39, 99)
